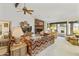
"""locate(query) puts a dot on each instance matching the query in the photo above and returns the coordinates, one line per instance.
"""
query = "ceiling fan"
(24, 9)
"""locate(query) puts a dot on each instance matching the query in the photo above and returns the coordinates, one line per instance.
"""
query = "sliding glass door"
(61, 29)
(53, 27)
(76, 28)
(64, 28)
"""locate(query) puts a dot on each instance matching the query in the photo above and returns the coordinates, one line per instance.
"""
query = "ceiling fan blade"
(30, 10)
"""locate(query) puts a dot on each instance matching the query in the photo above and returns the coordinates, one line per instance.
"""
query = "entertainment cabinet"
(39, 26)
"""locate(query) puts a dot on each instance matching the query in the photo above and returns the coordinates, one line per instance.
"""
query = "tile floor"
(60, 48)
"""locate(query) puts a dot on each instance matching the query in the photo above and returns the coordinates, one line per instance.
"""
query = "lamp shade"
(17, 32)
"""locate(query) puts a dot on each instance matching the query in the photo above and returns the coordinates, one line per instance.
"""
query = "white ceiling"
(54, 11)
(50, 12)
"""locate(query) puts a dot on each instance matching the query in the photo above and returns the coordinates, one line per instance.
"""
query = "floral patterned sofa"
(40, 44)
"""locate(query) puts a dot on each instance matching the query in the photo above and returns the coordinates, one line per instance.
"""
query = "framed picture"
(4, 29)
(6, 25)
